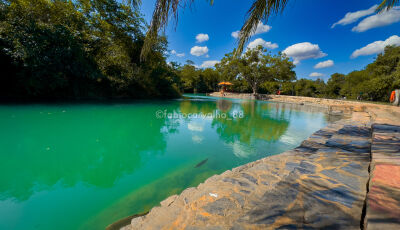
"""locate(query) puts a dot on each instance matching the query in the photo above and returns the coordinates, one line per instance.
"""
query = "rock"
(168, 201)
(135, 222)
(219, 206)
(358, 108)
(339, 194)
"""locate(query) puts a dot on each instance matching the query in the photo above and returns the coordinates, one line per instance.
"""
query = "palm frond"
(134, 3)
(161, 14)
(387, 5)
(261, 10)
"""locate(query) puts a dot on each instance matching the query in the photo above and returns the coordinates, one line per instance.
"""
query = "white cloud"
(235, 34)
(302, 51)
(376, 47)
(197, 139)
(209, 64)
(354, 16)
(202, 38)
(261, 42)
(315, 74)
(261, 28)
(198, 50)
(173, 52)
(378, 20)
(195, 127)
(324, 64)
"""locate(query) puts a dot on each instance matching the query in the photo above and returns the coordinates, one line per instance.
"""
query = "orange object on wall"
(393, 96)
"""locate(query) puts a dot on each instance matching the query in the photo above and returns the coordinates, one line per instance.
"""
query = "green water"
(84, 166)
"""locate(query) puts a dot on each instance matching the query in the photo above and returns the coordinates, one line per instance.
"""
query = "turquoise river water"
(84, 166)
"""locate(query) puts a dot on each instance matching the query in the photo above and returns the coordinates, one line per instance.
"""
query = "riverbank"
(344, 175)
(379, 113)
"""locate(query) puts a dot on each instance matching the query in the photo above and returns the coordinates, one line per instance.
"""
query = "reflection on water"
(259, 122)
(85, 166)
(47, 146)
(224, 105)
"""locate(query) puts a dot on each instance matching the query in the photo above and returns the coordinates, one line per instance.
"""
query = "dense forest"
(91, 49)
(79, 49)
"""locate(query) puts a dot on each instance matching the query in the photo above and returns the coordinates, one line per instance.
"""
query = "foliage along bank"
(374, 83)
(79, 49)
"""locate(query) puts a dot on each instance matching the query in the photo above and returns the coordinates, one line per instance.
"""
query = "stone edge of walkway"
(383, 199)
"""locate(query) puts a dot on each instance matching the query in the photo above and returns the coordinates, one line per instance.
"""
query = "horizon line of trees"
(374, 83)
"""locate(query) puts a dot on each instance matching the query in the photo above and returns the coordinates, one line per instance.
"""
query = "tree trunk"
(255, 89)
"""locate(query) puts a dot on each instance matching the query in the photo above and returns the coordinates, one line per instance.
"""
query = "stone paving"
(320, 184)
(383, 202)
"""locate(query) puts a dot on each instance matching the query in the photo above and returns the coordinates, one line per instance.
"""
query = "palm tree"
(260, 10)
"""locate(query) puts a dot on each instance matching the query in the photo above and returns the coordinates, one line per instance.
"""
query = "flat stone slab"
(383, 203)
(320, 184)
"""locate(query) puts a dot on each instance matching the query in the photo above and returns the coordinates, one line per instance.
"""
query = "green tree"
(211, 78)
(79, 49)
(352, 86)
(377, 80)
(227, 67)
(257, 66)
(306, 87)
(335, 84)
(195, 80)
(229, 71)
(190, 77)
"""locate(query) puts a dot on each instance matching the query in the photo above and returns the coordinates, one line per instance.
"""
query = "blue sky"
(305, 25)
